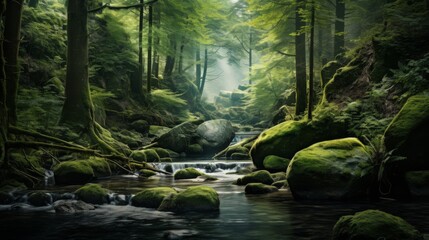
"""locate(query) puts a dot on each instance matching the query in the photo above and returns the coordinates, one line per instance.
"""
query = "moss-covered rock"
(166, 160)
(151, 155)
(187, 173)
(278, 176)
(236, 149)
(195, 149)
(93, 193)
(407, 133)
(157, 131)
(328, 71)
(275, 164)
(100, 167)
(280, 184)
(198, 198)
(343, 77)
(73, 172)
(152, 197)
(335, 169)
(216, 135)
(180, 137)
(418, 183)
(140, 126)
(240, 156)
(40, 199)
(259, 188)
(374, 225)
(139, 156)
(162, 152)
(287, 138)
(261, 176)
(146, 173)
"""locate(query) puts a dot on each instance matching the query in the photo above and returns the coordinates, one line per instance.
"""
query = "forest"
(214, 119)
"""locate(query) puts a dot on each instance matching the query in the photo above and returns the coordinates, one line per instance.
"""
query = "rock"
(280, 184)
(6, 198)
(344, 77)
(275, 164)
(217, 135)
(138, 155)
(287, 138)
(407, 133)
(259, 188)
(73, 172)
(187, 173)
(197, 198)
(240, 156)
(179, 234)
(261, 176)
(140, 126)
(374, 225)
(418, 184)
(157, 131)
(152, 197)
(93, 193)
(71, 206)
(328, 71)
(278, 176)
(146, 173)
(280, 115)
(236, 149)
(168, 168)
(195, 149)
(180, 137)
(151, 155)
(162, 153)
(40, 199)
(100, 167)
(336, 169)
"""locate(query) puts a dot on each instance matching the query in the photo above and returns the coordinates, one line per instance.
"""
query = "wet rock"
(93, 193)
(168, 168)
(280, 184)
(278, 176)
(100, 167)
(121, 199)
(71, 206)
(197, 198)
(73, 172)
(152, 197)
(259, 188)
(162, 153)
(180, 137)
(240, 156)
(216, 134)
(6, 198)
(418, 184)
(40, 199)
(374, 225)
(179, 234)
(336, 169)
(275, 164)
(261, 176)
(145, 173)
(187, 173)
(236, 149)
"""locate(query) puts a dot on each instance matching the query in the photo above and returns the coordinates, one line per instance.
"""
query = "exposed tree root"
(241, 143)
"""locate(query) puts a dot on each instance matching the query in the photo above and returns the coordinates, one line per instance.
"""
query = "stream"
(241, 216)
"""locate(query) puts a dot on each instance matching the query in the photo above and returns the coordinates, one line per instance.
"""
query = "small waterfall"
(49, 178)
(205, 166)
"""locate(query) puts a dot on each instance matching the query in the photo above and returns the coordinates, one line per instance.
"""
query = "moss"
(11, 185)
(373, 225)
(100, 167)
(152, 197)
(166, 160)
(280, 184)
(157, 131)
(261, 176)
(139, 155)
(187, 173)
(344, 77)
(259, 188)
(73, 172)
(162, 153)
(140, 126)
(151, 155)
(195, 148)
(93, 193)
(278, 176)
(240, 156)
(146, 173)
(335, 169)
(197, 198)
(275, 164)
(236, 149)
(40, 199)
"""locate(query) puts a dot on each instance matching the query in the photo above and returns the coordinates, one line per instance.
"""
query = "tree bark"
(149, 50)
(182, 48)
(300, 62)
(33, 3)
(12, 28)
(204, 77)
(3, 109)
(311, 81)
(155, 69)
(340, 12)
(169, 64)
(198, 67)
(250, 55)
(137, 83)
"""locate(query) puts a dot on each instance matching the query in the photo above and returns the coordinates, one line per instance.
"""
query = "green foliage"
(169, 104)
(99, 97)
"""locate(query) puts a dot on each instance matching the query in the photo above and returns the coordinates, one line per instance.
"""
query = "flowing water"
(241, 216)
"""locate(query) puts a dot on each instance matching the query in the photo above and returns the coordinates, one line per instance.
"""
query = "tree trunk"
(204, 77)
(155, 68)
(198, 67)
(250, 55)
(12, 28)
(137, 83)
(182, 48)
(340, 12)
(169, 64)
(3, 109)
(300, 62)
(33, 3)
(149, 50)
(78, 109)
(310, 88)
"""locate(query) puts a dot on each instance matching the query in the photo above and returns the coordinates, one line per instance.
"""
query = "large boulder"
(152, 197)
(180, 137)
(40, 199)
(276, 164)
(374, 225)
(336, 169)
(287, 138)
(197, 198)
(407, 133)
(72, 206)
(73, 172)
(259, 188)
(187, 173)
(261, 176)
(215, 134)
(93, 193)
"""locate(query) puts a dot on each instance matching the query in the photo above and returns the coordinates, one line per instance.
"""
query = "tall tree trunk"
(182, 48)
(12, 28)
(204, 77)
(250, 55)
(310, 88)
(340, 12)
(3, 109)
(78, 109)
(198, 66)
(137, 83)
(155, 68)
(149, 50)
(300, 62)
(169, 64)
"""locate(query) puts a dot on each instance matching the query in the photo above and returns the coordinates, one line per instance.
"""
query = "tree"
(3, 109)
(149, 49)
(311, 82)
(340, 12)
(300, 60)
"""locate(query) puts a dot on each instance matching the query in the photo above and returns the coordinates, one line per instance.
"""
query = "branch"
(242, 44)
(285, 54)
(108, 6)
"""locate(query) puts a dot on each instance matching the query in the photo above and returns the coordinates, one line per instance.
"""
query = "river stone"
(93, 193)
(335, 169)
(216, 135)
(71, 206)
(275, 164)
(374, 225)
(418, 184)
(73, 172)
(197, 198)
(261, 176)
(6, 198)
(180, 137)
(187, 173)
(259, 188)
(40, 199)
(152, 197)
(408, 132)
(100, 167)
